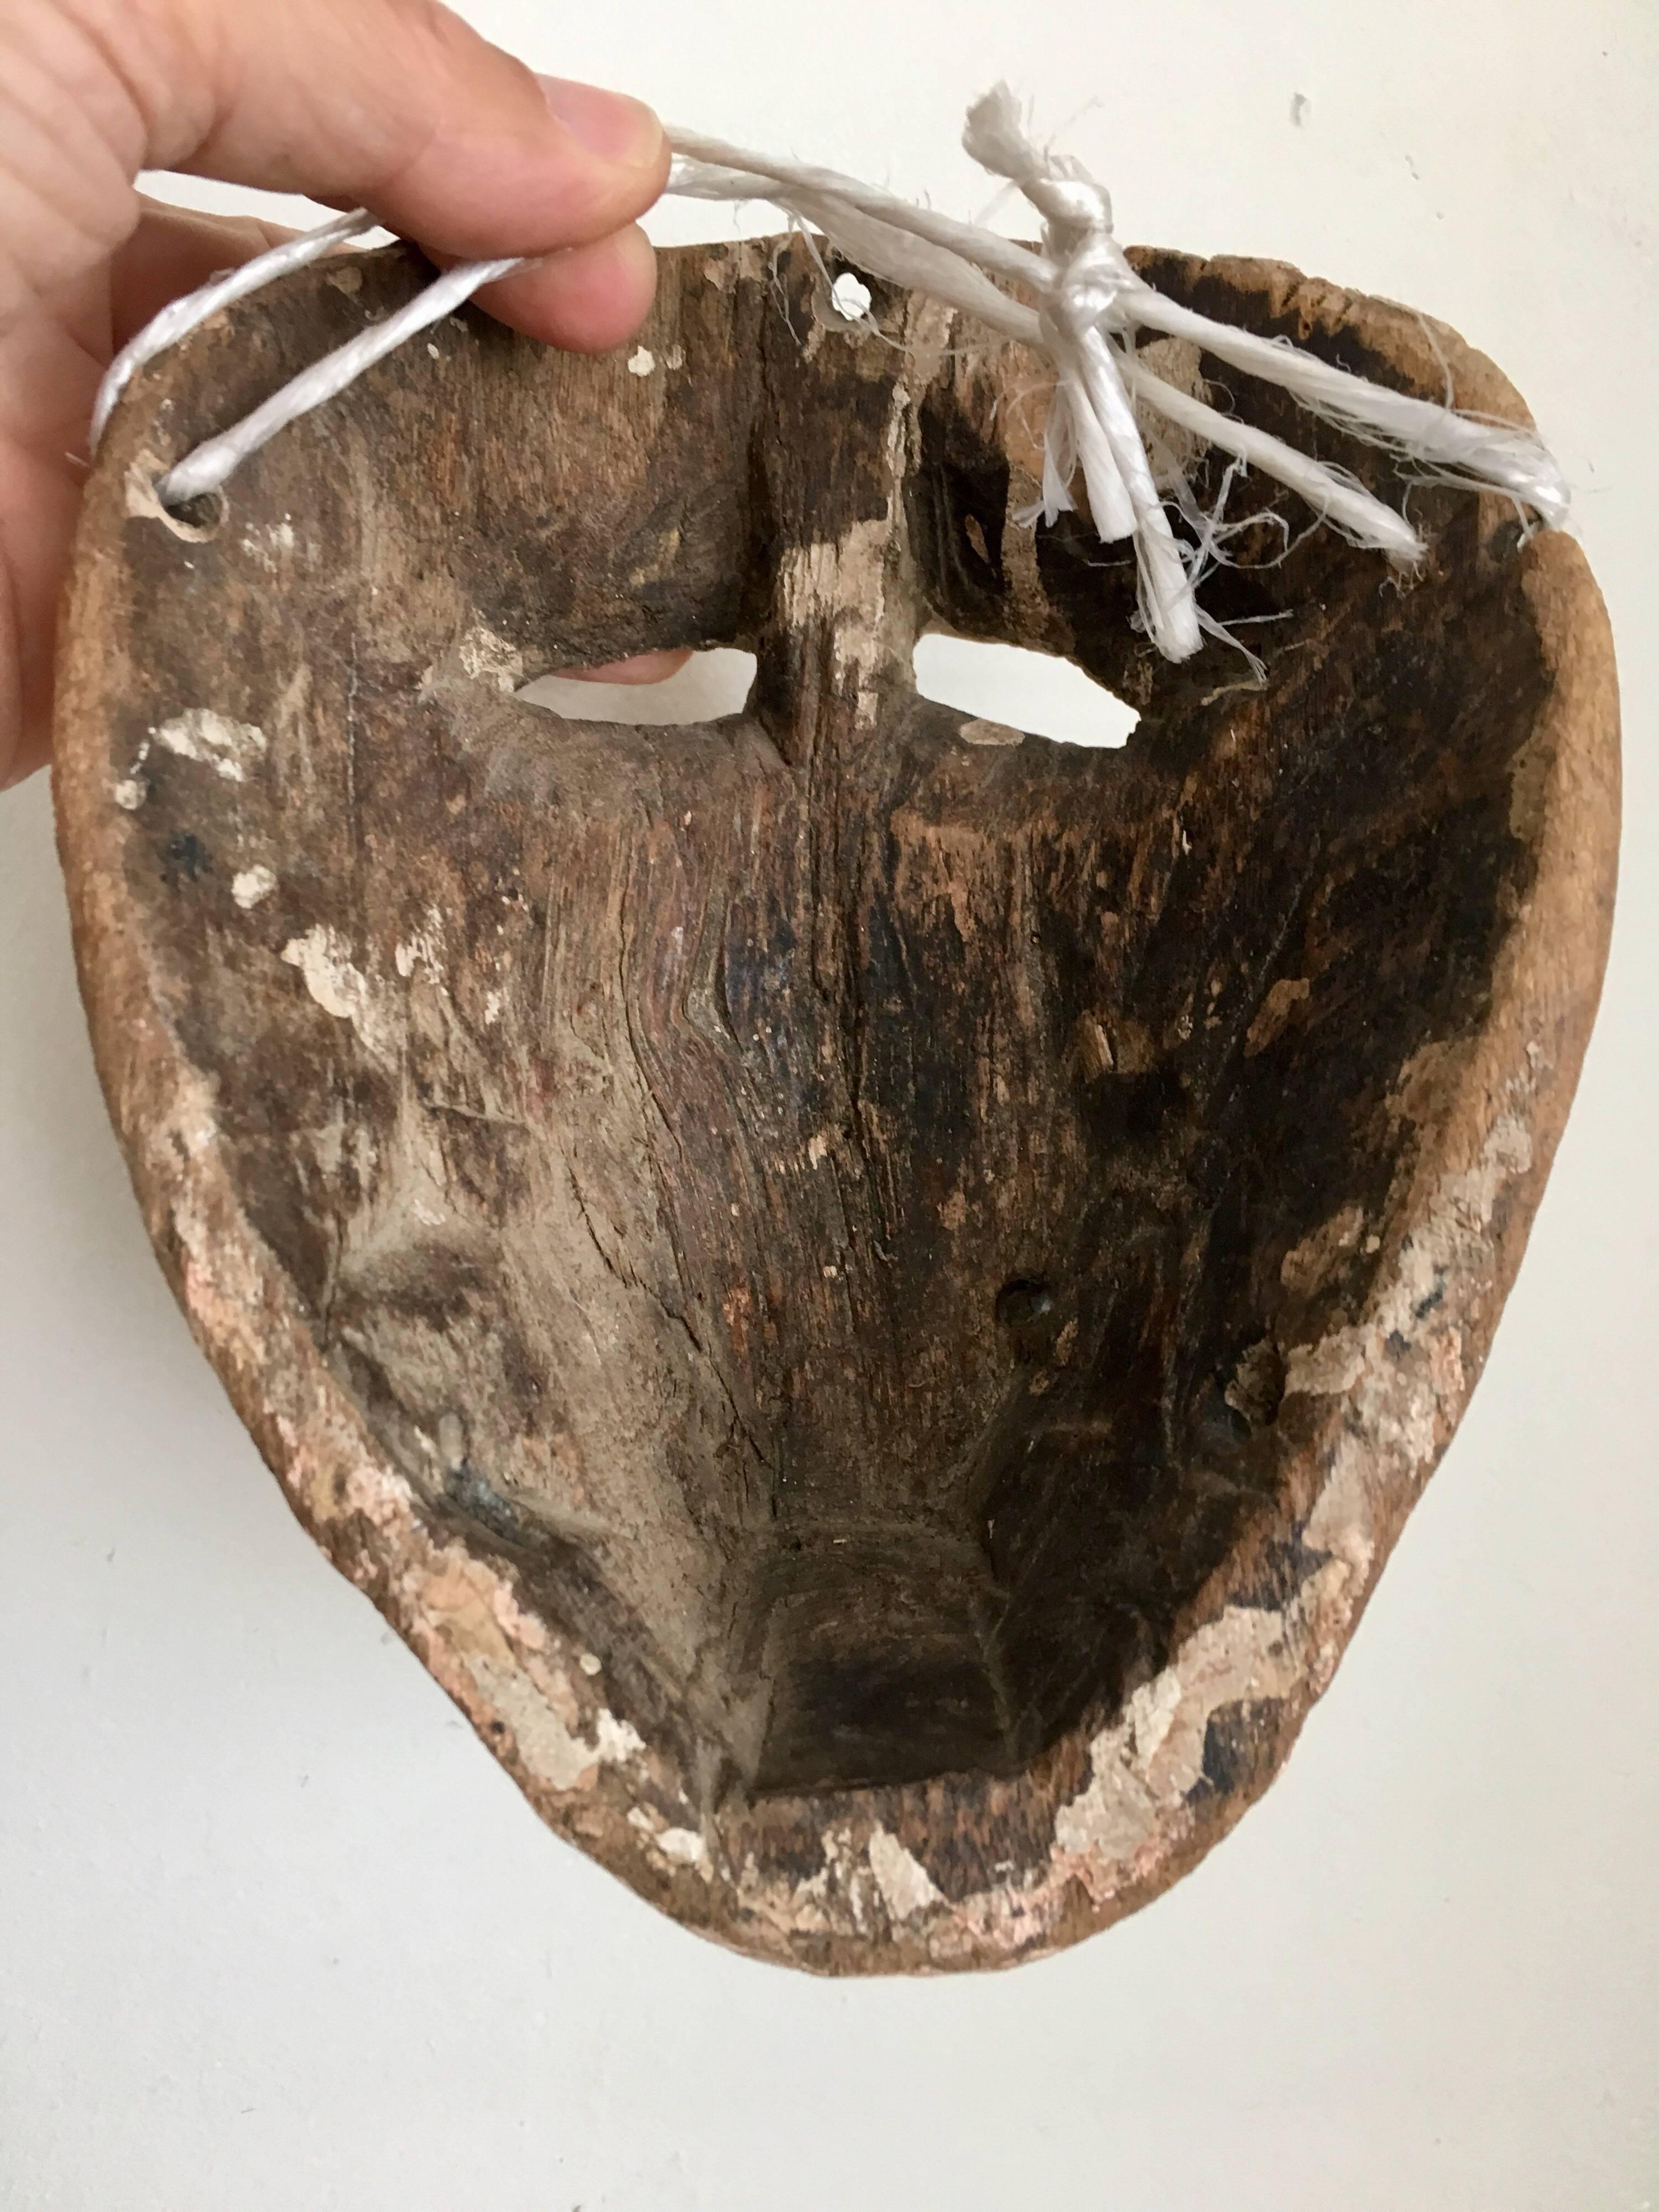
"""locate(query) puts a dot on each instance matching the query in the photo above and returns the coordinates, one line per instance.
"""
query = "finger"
(39, 496)
(638, 668)
(393, 104)
(585, 299)
(399, 106)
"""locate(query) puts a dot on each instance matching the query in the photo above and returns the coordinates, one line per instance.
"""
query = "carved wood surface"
(870, 1294)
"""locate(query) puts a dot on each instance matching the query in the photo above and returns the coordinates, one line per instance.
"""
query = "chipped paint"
(250, 885)
(336, 982)
(683, 1844)
(1448, 1244)
(1142, 1768)
(617, 1740)
(230, 749)
(1309, 1265)
(488, 659)
(551, 1750)
(842, 583)
(906, 1886)
(421, 948)
(272, 545)
(1327, 1369)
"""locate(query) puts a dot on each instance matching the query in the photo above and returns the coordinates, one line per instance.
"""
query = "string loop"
(1092, 302)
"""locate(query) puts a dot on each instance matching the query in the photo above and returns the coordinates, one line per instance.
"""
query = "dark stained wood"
(869, 1302)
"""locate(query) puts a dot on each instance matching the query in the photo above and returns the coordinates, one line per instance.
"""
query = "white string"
(181, 316)
(1090, 302)
(212, 464)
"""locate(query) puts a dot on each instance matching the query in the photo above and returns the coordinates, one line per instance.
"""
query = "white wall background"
(277, 1936)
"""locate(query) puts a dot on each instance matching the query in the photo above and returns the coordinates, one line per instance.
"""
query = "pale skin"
(393, 104)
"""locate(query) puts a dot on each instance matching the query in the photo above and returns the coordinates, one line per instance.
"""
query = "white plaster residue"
(1142, 1767)
(131, 793)
(269, 546)
(846, 1873)
(905, 1884)
(685, 1845)
(786, 1906)
(1342, 1521)
(1151, 1709)
(590, 1663)
(1108, 1822)
(252, 884)
(843, 581)
(490, 659)
(229, 749)
(492, 1010)
(337, 984)
(553, 1755)
(617, 1740)
(548, 1745)
(1448, 1244)
(421, 948)
(1309, 1265)
(1329, 1368)
(642, 361)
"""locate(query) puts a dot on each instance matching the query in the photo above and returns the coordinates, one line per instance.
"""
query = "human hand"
(392, 105)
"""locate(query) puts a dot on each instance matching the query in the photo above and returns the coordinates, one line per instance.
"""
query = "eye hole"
(1035, 692)
(713, 682)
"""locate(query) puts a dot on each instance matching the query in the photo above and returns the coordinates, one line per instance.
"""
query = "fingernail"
(609, 124)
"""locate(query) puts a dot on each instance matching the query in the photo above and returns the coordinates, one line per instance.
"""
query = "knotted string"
(1091, 304)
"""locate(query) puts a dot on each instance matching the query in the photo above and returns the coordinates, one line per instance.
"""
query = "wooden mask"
(869, 1294)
